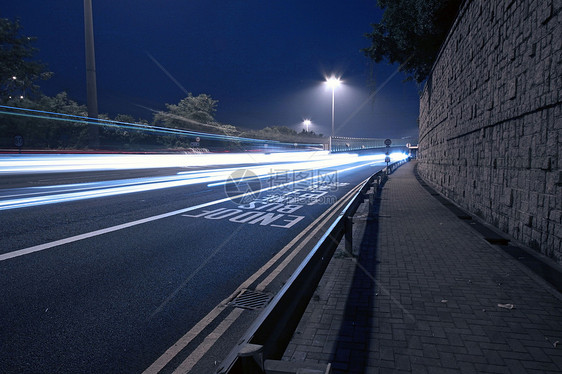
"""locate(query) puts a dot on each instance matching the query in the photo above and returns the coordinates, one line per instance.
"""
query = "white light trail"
(26, 164)
(35, 196)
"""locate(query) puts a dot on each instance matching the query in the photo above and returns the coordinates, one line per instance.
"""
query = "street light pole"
(91, 89)
(333, 102)
(333, 82)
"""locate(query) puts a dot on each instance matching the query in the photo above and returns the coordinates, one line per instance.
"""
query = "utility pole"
(93, 130)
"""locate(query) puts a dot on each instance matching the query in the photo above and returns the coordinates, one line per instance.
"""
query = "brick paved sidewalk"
(428, 294)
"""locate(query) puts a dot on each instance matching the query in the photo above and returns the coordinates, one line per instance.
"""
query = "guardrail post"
(252, 359)
(348, 226)
(371, 202)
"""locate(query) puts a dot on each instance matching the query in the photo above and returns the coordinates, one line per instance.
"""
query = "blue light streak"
(34, 113)
(36, 196)
(26, 164)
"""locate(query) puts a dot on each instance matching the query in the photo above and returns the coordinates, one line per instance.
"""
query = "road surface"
(131, 271)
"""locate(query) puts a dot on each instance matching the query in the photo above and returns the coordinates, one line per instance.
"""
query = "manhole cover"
(252, 300)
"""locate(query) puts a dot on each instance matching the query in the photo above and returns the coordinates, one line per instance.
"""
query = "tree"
(61, 103)
(411, 33)
(283, 134)
(18, 73)
(41, 131)
(194, 113)
(191, 113)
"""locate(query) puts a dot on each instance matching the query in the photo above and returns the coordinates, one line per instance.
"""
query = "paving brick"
(317, 357)
(448, 360)
(473, 359)
(452, 349)
(493, 357)
(538, 354)
(487, 368)
(467, 368)
(419, 369)
(515, 366)
(506, 355)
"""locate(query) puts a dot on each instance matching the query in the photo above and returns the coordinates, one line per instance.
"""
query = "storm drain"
(252, 300)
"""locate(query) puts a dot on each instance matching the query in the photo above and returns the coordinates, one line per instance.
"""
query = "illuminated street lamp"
(306, 123)
(332, 83)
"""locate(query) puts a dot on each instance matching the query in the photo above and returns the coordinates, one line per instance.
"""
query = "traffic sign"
(387, 159)
(388, 142)
(18, 141)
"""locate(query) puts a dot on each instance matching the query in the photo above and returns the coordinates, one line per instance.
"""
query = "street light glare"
(333, 82)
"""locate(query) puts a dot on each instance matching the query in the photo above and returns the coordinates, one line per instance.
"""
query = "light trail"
(26, 164)
(36, 196)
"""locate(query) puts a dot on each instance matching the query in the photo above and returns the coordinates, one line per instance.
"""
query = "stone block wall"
(491, 118)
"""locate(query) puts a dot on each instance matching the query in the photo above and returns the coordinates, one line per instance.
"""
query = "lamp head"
(333, 82)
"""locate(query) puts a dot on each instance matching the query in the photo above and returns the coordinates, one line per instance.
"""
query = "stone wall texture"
(491, 119)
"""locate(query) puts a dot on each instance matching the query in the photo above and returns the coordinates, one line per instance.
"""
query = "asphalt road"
(103, 272)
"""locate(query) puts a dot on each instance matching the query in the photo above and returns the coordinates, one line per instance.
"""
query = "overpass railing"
(345, 144)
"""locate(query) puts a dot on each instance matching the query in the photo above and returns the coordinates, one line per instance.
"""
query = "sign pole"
(387, 142)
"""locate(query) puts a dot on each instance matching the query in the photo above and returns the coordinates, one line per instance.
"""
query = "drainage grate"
(252, 300)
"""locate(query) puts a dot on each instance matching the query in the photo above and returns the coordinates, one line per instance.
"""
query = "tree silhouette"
(18, 72)
(411, 33)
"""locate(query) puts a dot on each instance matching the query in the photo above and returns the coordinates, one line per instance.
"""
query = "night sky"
(263, 60)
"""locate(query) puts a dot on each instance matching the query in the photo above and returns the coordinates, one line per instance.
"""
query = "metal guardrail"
(266, 339)
(346, 144)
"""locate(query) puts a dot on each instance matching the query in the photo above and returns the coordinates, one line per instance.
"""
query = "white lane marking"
(250, 217)
(177, 347)
(56, 243)
(209, 341)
